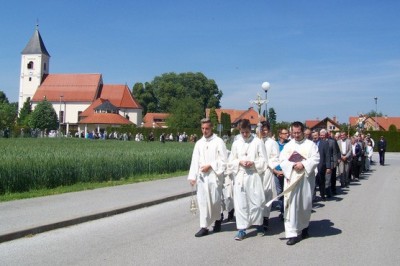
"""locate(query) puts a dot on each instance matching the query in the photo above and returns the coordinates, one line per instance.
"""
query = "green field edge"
(86, 186)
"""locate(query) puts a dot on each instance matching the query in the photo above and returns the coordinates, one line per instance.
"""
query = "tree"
(226, 123)
(8, 113)
(272, 118)
(24, 113)
(185, 113)
(7, 116)
(214, 118)
(373, 113)
(44, 116)
(392, 128)
(3, 97)
(144, 94)
(170, 87)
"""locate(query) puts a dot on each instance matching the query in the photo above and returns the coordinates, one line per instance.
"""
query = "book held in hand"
(296, 157)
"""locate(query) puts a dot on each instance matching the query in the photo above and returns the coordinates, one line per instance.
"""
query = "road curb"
(48, 227)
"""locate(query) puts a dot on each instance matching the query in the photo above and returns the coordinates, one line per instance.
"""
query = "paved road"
(32, 216)
(358, 227)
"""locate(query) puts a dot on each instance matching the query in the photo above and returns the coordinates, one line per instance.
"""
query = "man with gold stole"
(298, 159)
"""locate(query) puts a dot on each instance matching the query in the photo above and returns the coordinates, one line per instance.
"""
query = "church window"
(79, 115)
(30, 79)
(30, 65)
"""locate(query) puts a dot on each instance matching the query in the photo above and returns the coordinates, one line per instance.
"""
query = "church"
(82, 101)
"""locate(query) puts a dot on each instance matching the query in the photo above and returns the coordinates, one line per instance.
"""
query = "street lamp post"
(266, 86)
(59, 116)
(376, 113)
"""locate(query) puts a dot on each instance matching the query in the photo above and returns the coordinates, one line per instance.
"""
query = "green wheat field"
(45, 163)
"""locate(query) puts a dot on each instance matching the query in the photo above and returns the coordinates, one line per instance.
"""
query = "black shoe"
(202, 232)
(230, 215)
(304, 233)
(261, 230)
(217, 226)
(292, 241)
(265, 223)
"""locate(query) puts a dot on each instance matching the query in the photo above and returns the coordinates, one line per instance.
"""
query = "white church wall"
(71, 110)
(135, 115)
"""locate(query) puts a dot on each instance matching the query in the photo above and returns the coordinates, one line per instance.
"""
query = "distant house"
(238, 115)
(155, 120)
(376, 123)
(326, 123)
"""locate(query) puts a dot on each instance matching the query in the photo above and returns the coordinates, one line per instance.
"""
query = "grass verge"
(85, 186)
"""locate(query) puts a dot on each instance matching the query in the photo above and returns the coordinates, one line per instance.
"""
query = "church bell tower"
(34, 65)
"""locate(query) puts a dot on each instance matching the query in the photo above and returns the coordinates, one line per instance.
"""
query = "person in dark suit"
(356, 158)
(335, 155)
(382, 150)
(324, 165)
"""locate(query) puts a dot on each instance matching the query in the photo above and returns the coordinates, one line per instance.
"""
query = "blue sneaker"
(240, 235)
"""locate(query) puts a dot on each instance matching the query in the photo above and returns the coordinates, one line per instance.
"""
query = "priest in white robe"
(247, 162)
(207, 170)
(272, 149)
(298, 159)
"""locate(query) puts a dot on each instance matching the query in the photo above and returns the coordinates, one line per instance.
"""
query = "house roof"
(90, 110)
(120, 96)
(312, 124)
(106, 106)
(105, 118)
(237, 115)
(71, 87)
(384, 122)
(157, 118)
(35, 45)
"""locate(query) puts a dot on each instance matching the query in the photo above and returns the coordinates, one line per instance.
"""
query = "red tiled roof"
(157, 118)
(120, 96)
(90, 110)
(312, 123)
(384, 122)
(72, 87)
(237, 115)
(105, 118)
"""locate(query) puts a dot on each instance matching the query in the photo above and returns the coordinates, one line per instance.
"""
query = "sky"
(322, 58)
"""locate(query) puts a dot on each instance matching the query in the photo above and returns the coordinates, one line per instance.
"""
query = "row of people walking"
(252, 165)
(261, 170)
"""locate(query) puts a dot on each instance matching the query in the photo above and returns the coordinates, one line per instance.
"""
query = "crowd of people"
(260, 171)
(127, 136)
